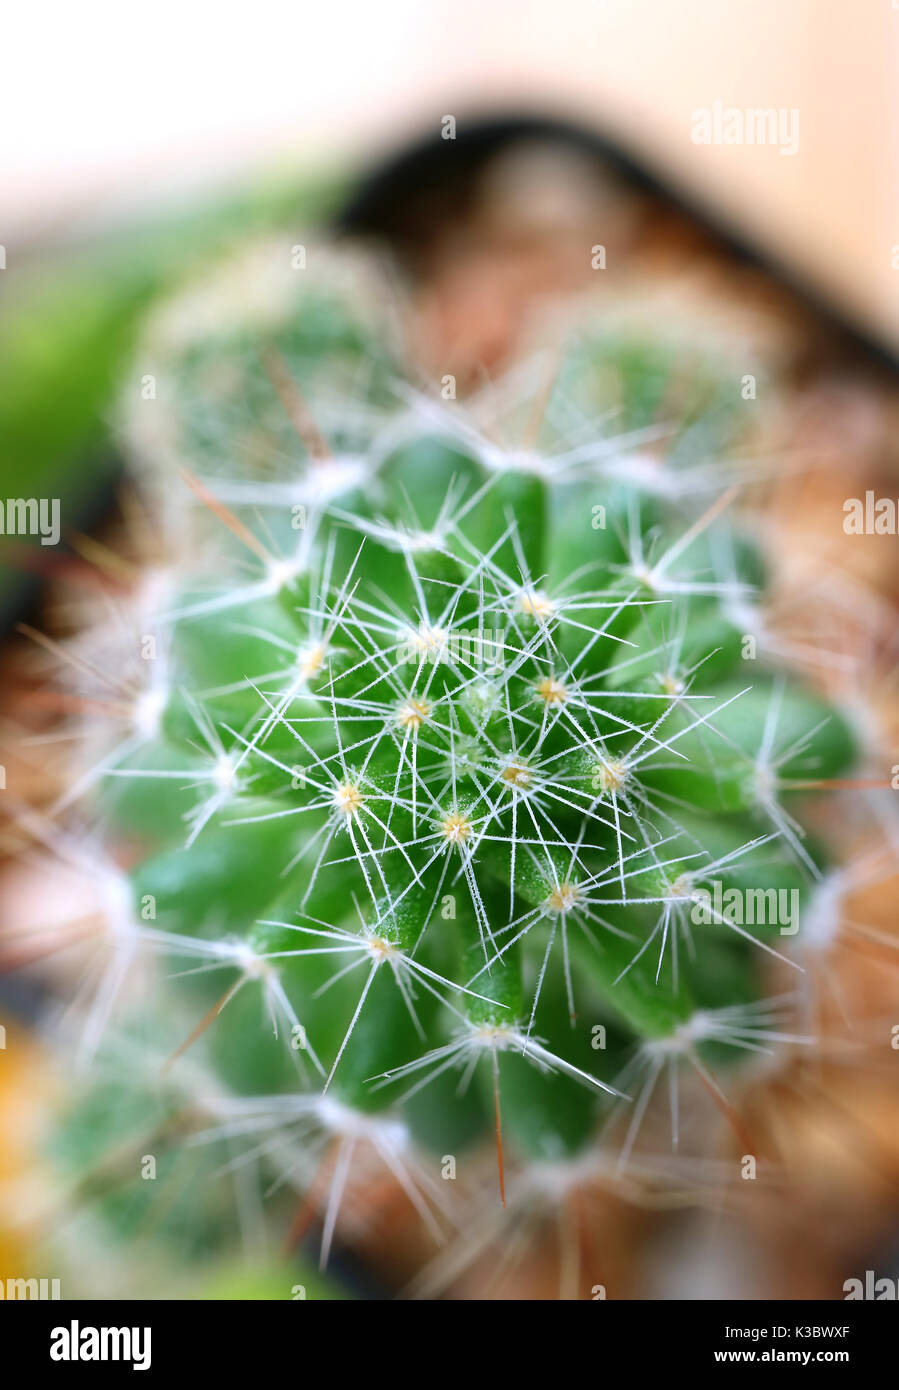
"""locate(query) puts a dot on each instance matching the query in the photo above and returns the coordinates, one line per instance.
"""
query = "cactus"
(461, 807)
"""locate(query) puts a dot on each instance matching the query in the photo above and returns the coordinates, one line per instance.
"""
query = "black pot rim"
(428, 162)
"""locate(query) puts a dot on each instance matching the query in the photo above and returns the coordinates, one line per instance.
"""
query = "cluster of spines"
(560, 786)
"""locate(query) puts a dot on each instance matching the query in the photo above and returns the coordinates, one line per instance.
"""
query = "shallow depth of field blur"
(142, 145)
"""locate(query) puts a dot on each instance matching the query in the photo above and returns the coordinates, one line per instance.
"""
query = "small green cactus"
(467, 805)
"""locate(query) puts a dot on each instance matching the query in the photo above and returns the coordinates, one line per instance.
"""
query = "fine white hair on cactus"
(302, 1137)
(459, 689)
(755, 1028)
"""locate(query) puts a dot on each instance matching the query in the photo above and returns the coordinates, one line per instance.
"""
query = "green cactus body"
(443, 765)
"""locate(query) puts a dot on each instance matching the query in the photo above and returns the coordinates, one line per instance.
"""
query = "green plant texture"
(448, 751)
